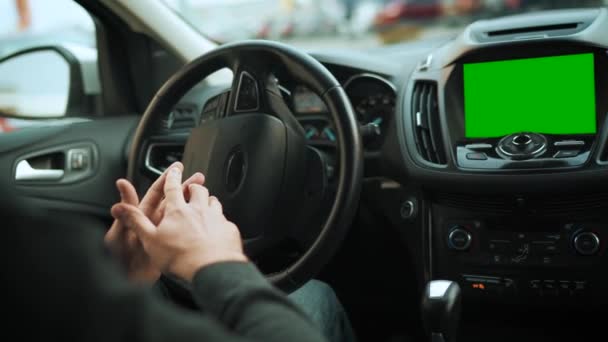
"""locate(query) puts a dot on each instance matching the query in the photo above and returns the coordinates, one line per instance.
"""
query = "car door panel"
(94, 192)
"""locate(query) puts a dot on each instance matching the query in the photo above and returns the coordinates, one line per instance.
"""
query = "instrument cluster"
(373, 100)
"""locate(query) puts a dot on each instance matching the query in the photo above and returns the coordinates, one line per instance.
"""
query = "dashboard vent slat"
(181, 117)
(427, 124)
(548, 205)
(533, 29)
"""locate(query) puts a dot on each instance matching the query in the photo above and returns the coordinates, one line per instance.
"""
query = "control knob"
(586, 243)
(459, 238)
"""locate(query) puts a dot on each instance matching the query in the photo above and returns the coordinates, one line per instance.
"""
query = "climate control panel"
(484, 246)
(505, 258)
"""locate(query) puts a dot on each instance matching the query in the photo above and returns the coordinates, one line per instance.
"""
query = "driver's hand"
(192, 233)
(124, 242)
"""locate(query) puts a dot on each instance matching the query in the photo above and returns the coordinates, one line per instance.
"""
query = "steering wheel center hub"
(224, 151)
(235, 169)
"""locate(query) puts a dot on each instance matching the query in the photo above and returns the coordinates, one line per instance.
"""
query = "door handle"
(25, 171)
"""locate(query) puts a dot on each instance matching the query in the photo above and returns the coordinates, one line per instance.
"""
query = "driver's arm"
(242, 300)
(68, 288)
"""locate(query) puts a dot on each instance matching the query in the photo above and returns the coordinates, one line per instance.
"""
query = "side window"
(48, 62)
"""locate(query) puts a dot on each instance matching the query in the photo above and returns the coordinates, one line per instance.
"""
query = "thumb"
(132, 217)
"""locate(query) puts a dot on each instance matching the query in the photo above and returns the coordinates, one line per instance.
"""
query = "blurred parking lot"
(307, 24)
(348, 23)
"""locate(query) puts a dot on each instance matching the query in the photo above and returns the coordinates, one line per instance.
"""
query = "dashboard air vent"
(547, 205)
(427, 125)
(183, 116)
(534, 25)
(534, 29)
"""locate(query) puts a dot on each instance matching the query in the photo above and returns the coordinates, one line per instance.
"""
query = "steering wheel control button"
(247, 95)
(459, 239)
(566, 154)
(586, 243)
(522, 146)
(477, 156)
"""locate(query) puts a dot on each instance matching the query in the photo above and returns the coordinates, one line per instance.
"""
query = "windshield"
(349, 23)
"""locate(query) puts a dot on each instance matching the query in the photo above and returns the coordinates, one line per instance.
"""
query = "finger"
(113, 234)
(197, 178)
(128, 195)
(156, 192)
(173, 186)
(127, 192)
(215, 204)
(133, 218)
(157, 213)
(199, 196)
(132, 239)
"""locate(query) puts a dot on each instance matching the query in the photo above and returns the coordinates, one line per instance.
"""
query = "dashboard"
(490, 146)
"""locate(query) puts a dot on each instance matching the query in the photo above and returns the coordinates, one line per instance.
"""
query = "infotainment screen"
(550, 95)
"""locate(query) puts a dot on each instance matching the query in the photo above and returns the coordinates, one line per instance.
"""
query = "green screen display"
(551, 95)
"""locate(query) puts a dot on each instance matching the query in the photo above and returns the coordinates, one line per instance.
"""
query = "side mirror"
(44, 82)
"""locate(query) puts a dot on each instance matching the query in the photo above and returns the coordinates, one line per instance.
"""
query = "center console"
(520, 256)
(504, 130)
(534, 109)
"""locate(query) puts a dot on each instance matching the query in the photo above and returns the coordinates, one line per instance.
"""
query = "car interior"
(447, 189)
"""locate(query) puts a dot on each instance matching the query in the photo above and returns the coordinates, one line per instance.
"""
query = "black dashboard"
(503, 192)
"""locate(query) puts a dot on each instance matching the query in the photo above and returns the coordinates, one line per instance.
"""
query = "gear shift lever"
(441, 310)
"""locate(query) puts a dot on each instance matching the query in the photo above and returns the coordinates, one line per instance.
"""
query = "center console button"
(569, 143)
(565, 288)
(549, 288)
(535, 284)
(545, 248)
(522, 146)
(479, 146)
(499, 246)
(522, 139)
(580, 285)
(566, 154)
(477, 156)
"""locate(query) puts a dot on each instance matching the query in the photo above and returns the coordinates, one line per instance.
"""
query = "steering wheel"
(255, 157)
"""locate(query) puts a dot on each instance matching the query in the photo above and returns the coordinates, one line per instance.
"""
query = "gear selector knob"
(441, 310)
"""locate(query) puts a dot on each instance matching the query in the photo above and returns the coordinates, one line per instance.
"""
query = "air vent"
(427, 125)
(534, 29)
(534, 25)
(183, 116)
(546, 205)
(215, 108)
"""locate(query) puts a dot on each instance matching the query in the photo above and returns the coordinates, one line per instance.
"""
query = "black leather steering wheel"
(255, 157)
